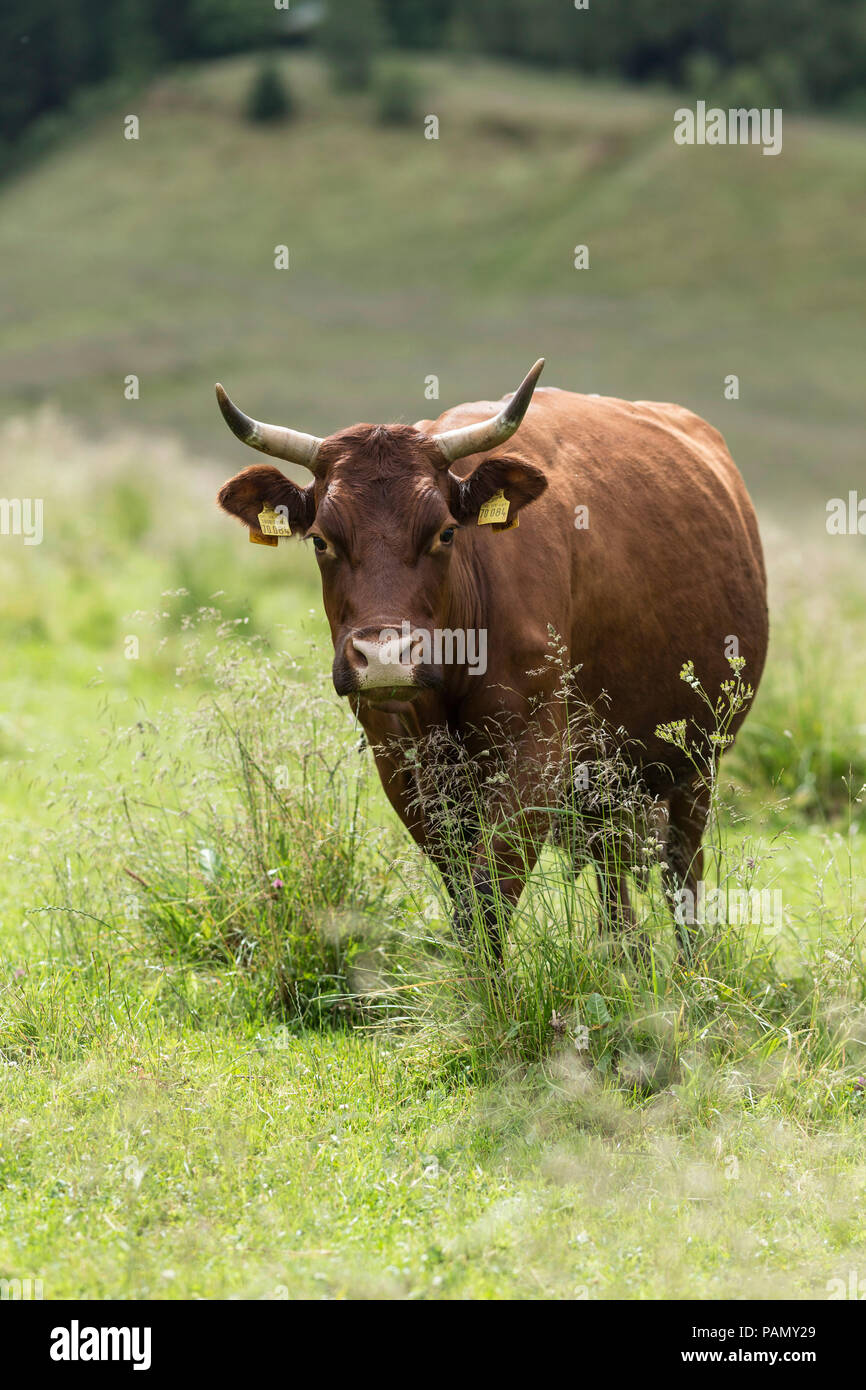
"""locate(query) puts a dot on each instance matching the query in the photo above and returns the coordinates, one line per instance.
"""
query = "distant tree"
(351, 36)
(268, 99)
(230, 26)
(418, 23)
(174, 26)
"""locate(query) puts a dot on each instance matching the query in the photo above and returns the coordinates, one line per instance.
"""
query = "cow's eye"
(320, 544)
(447, 536)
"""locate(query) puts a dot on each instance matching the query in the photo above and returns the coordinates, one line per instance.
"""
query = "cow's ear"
(521, 483)
(262, 485)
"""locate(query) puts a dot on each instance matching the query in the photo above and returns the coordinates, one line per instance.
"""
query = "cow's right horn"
(486, 434)
(276, 440)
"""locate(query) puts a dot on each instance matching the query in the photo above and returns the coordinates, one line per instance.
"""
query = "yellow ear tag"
(272, 524)
(273, 527)
(494, 512)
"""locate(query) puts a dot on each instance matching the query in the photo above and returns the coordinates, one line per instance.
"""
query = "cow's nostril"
(356, 656)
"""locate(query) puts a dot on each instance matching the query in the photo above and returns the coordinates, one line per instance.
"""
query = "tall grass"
(750, 1001)
(239, 854)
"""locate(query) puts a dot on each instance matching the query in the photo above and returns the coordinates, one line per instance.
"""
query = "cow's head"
(384, 512)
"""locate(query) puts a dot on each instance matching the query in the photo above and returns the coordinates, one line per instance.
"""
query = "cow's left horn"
(276, 440)
(474, 439)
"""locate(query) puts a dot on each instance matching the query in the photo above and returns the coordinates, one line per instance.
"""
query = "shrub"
(702, 75)
(269, 100)
(396, 94)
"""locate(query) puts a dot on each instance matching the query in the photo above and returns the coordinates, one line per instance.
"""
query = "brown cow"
(637, 544)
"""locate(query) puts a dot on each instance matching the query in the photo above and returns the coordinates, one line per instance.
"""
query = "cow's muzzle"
(381, 663)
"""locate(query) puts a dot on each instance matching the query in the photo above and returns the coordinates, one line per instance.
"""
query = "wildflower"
(674, 732)
(687, 674)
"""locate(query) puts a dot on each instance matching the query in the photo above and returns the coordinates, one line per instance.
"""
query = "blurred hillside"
(803, 54)
(453, 257)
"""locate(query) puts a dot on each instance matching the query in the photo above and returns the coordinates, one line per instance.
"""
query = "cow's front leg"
(446, 834)
(508, 798)
(476, 917)
(495, 875)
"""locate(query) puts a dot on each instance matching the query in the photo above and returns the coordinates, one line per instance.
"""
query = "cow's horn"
(276, 440)
(473, 439)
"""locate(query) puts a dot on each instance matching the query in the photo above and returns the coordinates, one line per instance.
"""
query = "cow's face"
(384, 513)
(384, 516)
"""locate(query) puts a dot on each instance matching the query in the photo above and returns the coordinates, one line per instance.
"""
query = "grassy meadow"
(239, 1054)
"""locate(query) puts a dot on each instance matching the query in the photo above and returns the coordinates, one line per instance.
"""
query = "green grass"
(217, 1166)
(168, 1130)
(213, 1086)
